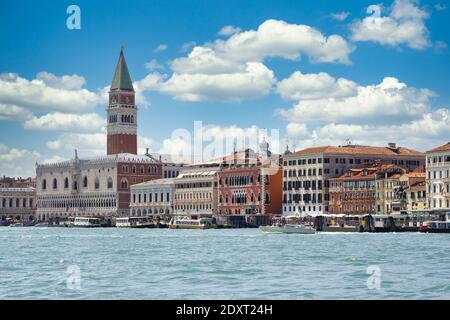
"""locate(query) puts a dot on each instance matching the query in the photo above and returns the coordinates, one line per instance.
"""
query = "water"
(220, 264)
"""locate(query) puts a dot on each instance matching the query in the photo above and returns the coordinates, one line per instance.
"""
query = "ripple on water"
(220, 264)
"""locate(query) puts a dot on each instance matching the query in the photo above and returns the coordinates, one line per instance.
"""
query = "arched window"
(132, 119)
(97, 184)
(124, 184)
(55, 183)
(142, 170)
(75, 185)
(110, 183)
(66, 183)
(133, 170)
(267, 198)
(44, 184)
(85, 182)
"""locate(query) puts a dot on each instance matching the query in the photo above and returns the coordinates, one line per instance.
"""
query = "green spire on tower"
(122, 79)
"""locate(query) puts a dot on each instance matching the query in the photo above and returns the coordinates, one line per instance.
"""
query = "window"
(97, 184)
(85, 182)
(124, 184)
(44, 184)
(55, 184)
(66, 183)
(110, 183)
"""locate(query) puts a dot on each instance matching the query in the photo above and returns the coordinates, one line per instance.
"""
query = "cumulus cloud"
(153, 65)
(409, 134)
(17, 162)
(57, 121)
(87, 143)
(387, 101)
(313, 86)
(213, 141)
(13, 112)
(340, 16)
(46, 93)
(232, 69)
(256, 80)
(228, 31)
(160, 48)
(404, 25)
(187, 46)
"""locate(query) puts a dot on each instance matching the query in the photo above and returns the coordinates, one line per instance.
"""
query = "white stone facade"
(18, 204)
(153, 198)
(438, 178)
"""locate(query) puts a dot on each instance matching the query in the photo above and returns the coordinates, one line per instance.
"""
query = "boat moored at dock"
(86, 222)
(189, 223)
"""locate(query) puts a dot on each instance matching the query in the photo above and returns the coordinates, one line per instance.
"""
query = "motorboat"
(187, 223)
(288, 228)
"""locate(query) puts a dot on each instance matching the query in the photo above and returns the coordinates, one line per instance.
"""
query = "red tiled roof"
(445, 147)
(414, 174)
(385, 151)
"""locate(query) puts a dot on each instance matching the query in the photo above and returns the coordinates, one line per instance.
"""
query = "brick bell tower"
(122, 112)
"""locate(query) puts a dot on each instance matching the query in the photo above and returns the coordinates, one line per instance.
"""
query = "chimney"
(392, 145)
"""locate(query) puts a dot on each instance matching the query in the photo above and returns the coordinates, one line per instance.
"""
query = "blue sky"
(371, 86)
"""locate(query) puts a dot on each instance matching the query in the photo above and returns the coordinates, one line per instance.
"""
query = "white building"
(196, 191)
(153, 198)
(438, 177)
(18, 204)
(307, 172)
(97, 186)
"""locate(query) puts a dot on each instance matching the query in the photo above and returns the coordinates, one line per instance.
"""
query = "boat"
(289, 228)
(86, 222)
(437, 226)
(17, 224)
(289, 224)
(187, 223)
(41, 224)
(134, 222)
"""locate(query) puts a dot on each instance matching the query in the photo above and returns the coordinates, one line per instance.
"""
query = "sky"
(309, 72)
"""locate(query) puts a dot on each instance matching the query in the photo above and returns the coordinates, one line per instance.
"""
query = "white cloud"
(187, 46)
(233, 69)
(57, 121)
(13, 112)
(389, 100)
(297, 130)
(255, 81)
(340, 16)
(88, 144)
(160, 48)
(47, 93)
(228, 31)
(405, 24)
(17, 162)
(312, 86)
(73, 82)
(144, 143)
(427, 131)
(153, 65)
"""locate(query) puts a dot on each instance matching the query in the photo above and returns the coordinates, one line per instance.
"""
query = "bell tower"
(122, 112)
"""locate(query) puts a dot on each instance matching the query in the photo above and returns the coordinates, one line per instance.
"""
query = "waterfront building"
(251, 186)
(18, 204)
(438, 177)
(100, 186)
(11, 182)
(411, 191)
(196, 190)
(307, 172)
(154, 198)
(365, 190)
